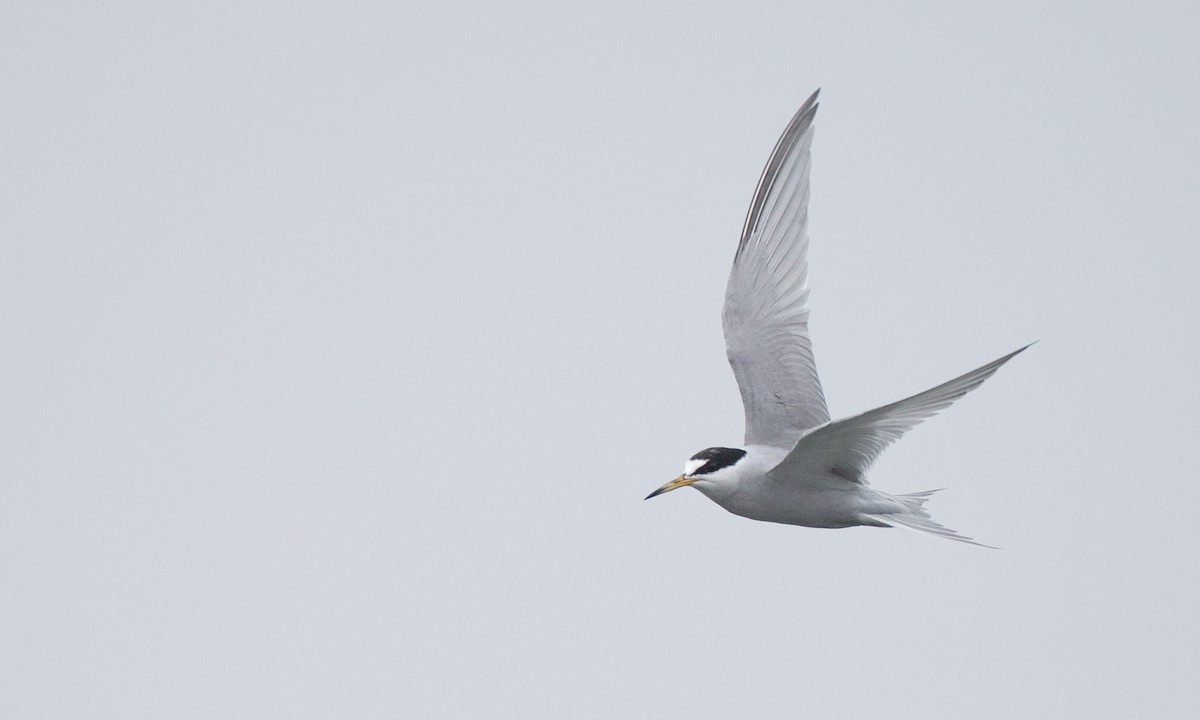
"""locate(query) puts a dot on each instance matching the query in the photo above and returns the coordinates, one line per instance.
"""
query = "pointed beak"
(675, 484)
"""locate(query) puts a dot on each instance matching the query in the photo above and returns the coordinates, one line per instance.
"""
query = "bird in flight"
(798, 466)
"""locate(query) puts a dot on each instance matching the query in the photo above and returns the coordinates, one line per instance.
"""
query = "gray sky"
(340, 345)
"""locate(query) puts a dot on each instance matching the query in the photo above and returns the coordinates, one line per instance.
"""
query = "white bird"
(798, 467)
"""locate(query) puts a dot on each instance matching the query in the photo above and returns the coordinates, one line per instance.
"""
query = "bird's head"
(711, 466)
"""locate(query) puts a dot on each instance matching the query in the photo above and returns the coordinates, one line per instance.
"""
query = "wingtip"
(1022, 349)
(806, 112)
(810, 105)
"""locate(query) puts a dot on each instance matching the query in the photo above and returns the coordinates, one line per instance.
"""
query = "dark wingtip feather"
(799, 123)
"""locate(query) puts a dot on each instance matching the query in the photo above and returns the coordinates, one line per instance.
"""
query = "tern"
(797, 466)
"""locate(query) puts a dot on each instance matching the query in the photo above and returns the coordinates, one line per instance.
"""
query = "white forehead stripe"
(691, 466)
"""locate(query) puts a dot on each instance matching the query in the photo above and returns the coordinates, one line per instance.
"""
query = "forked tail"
(916, 518)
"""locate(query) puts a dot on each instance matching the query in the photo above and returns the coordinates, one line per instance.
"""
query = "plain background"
(339, 344)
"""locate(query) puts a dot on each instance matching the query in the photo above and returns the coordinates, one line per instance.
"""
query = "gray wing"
(766, 302)
(847, 448)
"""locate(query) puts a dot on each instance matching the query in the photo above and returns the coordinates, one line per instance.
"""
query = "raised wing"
(766, 301)
(846, 448)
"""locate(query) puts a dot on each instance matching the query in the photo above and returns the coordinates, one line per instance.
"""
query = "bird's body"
(750, 492)
(798, 466)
